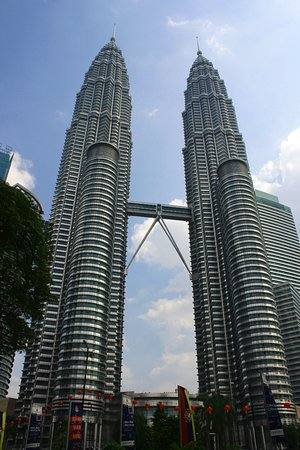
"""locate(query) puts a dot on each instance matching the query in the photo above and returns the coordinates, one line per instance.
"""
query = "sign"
(127, 422)
(75, 426)
(35, 427)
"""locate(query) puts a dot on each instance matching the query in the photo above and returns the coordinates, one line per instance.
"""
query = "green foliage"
(24, 268)
(292, 434)
(113, 446)
(165, 430)
(143, 435)
(162, 435)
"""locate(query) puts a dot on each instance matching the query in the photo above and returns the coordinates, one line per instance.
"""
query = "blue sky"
(46, 47)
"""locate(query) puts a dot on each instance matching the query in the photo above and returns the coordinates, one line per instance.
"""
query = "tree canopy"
(24, 268)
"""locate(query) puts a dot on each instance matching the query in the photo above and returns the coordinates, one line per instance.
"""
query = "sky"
(47, 46)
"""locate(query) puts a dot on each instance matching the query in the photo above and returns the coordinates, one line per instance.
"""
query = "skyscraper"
(283, 250)
(281, 239)
(89, 242)
(237, 329)
(6, 156)
(78, 345)
(288, 306)
(6, 362)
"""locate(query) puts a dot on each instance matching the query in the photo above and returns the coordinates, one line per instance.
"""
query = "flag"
(186, 418)
(273, 417)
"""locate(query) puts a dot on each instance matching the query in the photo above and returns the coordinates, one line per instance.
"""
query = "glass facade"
(237, 329)
(283, 250)
(89, 241)
(5, 162)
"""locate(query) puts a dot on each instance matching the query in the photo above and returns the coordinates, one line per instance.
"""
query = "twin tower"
(237, 330)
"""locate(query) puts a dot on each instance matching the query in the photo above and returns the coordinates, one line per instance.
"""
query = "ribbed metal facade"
(6, 364)
(237, 331)
(283, 251)
(89, 209)
(288, 306)
(281, 239)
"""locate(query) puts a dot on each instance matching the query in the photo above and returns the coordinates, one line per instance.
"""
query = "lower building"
(288, 305)
(147, 403)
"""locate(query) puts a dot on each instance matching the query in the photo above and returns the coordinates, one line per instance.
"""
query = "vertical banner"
(2, 427)
(75, 426)
(186, 419)
(127, 422)
(273, 417)
(35, 427)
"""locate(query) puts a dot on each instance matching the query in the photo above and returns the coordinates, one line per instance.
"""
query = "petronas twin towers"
(237, 331)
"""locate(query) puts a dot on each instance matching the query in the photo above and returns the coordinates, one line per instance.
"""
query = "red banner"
(75, 426)
(186, 419)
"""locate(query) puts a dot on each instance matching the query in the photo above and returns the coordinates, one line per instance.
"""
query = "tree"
(24, 268)
(113, 446)
(165, 430)
(292, 434)
(142, 432)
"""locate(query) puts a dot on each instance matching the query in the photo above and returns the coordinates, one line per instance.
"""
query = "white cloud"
(282, 175)
(60, 115)
(174, 369)
(173, 321)
(175, 314)
(173, 23)
(201, 24)
(214, 43)
(157, 250)
(128, 383)
(214, 35)
(20, 172)
(153, 112)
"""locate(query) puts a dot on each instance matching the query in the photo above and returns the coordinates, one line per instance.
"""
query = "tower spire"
(113, 37)
(198, 48)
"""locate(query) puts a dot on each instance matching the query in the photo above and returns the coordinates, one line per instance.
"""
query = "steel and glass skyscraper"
(89, 242)
(283, 251)
(237, 330)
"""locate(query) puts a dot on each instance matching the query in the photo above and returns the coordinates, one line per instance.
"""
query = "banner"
(35, 427)
(2, 427)
(186, 419)
(273, 417)
(127, 424)
(75, 426)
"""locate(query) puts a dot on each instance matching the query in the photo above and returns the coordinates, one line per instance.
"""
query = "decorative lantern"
(227, 408)
(160, 405)
(209, 409)
(287, 404)
(246, 408)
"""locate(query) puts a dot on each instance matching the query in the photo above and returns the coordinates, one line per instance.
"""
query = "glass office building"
(283, 250)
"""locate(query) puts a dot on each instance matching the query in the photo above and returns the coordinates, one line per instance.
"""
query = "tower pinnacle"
(198, 48)
(113, 37)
